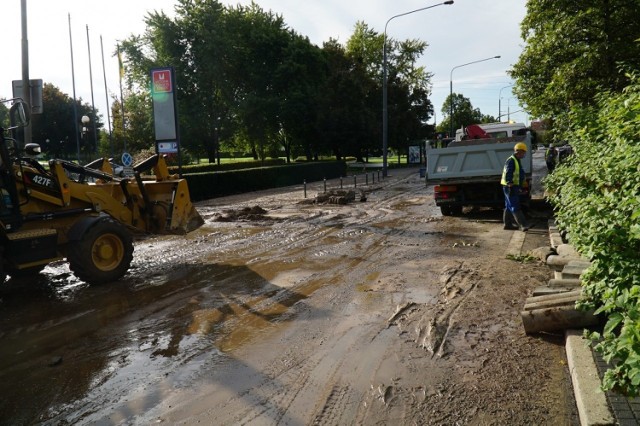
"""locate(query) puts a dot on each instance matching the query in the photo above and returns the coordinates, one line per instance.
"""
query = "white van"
(495, 130)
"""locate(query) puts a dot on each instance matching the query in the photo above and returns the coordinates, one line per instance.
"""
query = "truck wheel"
(456, 210)
(103, 254)
(446, 210)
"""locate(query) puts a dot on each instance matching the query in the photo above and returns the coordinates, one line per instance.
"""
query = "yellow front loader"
(83, 213)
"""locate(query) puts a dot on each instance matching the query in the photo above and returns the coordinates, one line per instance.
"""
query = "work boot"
(507, 219)
(521, 221)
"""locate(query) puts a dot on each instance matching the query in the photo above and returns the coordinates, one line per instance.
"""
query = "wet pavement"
(252, 313)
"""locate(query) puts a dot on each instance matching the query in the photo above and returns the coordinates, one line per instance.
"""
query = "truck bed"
(473, 161)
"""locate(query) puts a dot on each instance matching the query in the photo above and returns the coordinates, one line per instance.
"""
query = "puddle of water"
(254, 320)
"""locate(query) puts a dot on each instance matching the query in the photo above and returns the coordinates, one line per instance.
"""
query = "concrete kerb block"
(565, 283)
(591, 401)
(567, 250)
(581, 263)
(556, 239)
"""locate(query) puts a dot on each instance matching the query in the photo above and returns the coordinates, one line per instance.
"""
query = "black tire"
(3, 274)
(446, 210)
(456, 210)
(25, 273)
(103, 254)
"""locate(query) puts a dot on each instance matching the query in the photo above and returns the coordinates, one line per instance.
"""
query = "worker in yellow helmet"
(513, 179)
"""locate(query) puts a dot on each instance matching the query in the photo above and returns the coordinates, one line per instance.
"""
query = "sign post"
(165, 112)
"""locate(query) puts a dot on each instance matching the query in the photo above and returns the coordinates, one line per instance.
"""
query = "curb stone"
(591, 401)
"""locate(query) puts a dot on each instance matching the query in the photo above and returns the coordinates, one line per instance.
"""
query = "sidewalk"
(586, 367)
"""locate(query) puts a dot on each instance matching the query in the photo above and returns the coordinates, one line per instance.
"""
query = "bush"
(597, 202)
(213, 167)
(217, 184)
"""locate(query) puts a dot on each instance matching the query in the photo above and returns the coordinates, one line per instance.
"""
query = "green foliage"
(573, 51)
(56, 124)
(4, 115)
(213, 167)
(463, 114)
(248, 82)
(522, 258)
(209, 185)
(597, 202)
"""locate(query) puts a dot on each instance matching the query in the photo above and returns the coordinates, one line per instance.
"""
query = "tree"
(355, 89)
(56, 124)
(346, 119)
(245, 79)
(138, 122)
(4, 116)
(298, 80)
(463, 114)
(408, 90)
(573, 51)
(227, 61)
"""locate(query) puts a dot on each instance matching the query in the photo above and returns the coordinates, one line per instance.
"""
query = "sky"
(466, 31)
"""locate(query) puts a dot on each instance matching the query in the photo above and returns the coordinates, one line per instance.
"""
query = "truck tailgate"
(479, 159)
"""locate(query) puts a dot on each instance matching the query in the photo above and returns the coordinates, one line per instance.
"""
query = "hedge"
(596, 197)
(213, 167)
(218, 184)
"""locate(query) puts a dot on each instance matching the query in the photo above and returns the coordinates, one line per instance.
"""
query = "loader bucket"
(194, 220)
(184, 218)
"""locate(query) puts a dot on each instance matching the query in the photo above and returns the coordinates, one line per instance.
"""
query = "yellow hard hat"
(520, 147)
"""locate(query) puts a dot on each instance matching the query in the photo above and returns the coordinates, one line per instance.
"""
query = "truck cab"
(495, 130)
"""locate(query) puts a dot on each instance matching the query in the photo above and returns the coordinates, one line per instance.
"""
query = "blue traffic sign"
(127, 159)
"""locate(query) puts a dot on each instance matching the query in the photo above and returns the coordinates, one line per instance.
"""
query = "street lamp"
(451, 89)
(500, 102)
(85, 129)
(385, 121)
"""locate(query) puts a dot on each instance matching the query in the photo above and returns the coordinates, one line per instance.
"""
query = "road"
(283, 312)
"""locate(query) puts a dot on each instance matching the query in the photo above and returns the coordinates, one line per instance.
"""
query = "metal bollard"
(325, 185)
(340, 182)
(355, 184)
(366, 178)
(305, 188)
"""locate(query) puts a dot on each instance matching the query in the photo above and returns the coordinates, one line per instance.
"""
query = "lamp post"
(385, 121)
(451, 89)
(85, 129)
(500, 102)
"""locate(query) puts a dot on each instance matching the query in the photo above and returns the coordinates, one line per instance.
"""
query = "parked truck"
(85, 214)
(468, 172)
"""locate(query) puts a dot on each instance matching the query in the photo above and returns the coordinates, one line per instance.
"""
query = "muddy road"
(278, 311)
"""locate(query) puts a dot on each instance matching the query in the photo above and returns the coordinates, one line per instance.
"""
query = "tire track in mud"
(431, 324)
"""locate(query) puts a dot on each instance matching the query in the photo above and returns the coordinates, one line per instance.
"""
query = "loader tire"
(25, 273)
(3, 273)
(103, 254)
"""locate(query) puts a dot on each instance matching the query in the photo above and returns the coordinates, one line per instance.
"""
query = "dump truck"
(85, 214)
(468, 172)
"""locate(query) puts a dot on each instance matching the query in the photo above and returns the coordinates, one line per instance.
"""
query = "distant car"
(564, 152)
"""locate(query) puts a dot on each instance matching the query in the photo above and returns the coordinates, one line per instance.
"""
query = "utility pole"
(26, 87)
